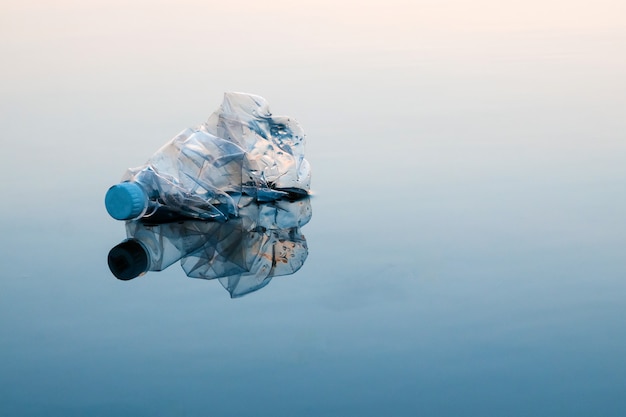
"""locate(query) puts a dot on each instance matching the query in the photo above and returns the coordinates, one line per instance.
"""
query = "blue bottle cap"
(126, 201)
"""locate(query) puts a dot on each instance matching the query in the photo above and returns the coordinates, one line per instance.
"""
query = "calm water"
(467, 250)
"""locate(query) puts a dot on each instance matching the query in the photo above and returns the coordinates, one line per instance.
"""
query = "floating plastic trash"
(203, 172)
(244, 254)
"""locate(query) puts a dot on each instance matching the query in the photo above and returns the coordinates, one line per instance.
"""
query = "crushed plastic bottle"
(244, 254)
(203, 172)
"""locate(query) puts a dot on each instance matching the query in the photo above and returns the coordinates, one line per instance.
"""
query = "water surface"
(467, 244)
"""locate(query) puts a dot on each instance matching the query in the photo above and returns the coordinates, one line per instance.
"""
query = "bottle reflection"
(243, 253)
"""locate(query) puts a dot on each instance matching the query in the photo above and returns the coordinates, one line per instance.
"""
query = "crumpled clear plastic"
(273, 145)
(241, 150)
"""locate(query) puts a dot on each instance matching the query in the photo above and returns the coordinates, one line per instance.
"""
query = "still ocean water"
(468, 240)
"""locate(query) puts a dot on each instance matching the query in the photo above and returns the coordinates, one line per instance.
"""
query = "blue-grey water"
(467, 250)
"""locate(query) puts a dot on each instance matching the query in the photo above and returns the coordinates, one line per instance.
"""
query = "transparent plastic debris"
(203, 172)
(274, 145)
(244, 253)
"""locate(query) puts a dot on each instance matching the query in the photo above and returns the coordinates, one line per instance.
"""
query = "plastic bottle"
(203, 172)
